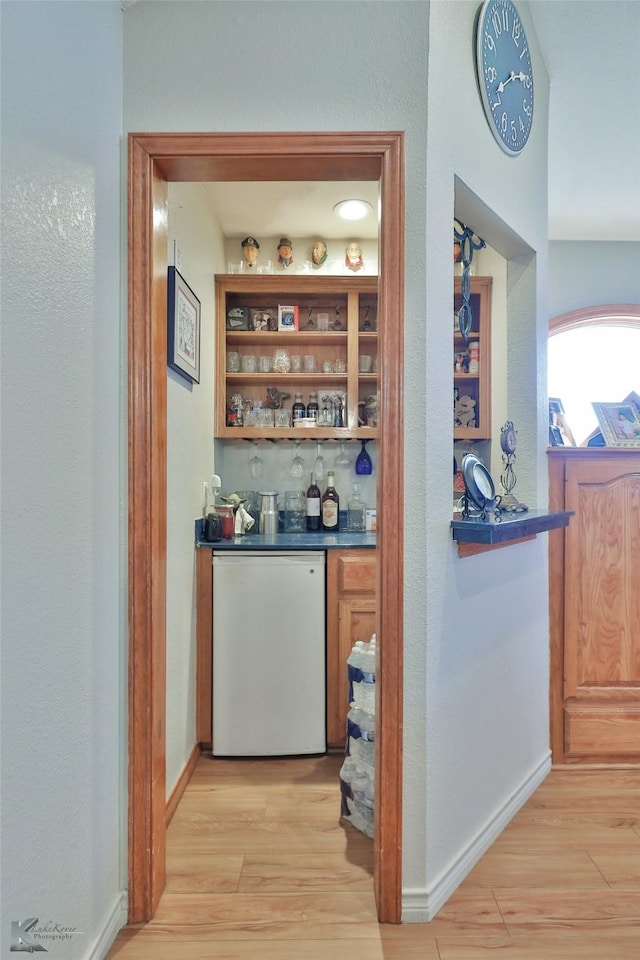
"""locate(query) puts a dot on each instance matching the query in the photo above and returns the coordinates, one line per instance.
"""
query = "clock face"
(505, 74)
(508, 438)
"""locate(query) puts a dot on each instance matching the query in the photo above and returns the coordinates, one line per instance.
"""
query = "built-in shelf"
(482, 535)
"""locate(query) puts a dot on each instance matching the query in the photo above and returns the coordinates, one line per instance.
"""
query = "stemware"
(297, 464)
(342, 460)
(364, 467)
(319, 464)
(255, 462)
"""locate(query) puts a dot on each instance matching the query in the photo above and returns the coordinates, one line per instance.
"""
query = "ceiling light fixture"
(353, 209)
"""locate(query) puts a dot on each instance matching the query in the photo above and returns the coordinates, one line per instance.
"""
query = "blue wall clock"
(505, 74)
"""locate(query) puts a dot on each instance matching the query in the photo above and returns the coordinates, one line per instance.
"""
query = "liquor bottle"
(314, 520)
(298, 410)
(330, 505)
(312, 406)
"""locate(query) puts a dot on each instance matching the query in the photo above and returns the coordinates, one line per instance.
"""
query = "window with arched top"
(593, 356)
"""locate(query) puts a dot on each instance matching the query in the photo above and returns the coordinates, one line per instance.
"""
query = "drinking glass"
(342, 460)
(295, 511)
(297, 464)
(282, 417)
(319, 464)
(255, 463)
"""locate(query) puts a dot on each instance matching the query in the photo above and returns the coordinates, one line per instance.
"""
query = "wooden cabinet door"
(351, 616)
(602, 611)
(356, 621)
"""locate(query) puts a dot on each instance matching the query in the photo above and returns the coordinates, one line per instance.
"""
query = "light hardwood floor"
(260, 868)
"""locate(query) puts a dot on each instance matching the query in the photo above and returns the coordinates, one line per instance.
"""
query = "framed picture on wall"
(619, 423)
(183, 328)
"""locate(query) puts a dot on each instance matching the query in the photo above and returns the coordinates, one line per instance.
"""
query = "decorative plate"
(479, 486)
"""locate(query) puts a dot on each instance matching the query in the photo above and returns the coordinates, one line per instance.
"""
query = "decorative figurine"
(318, 253)
(250, 247)
(468, 241)
(464, 413)
(353, 259)
(285, 252)
(508, 479)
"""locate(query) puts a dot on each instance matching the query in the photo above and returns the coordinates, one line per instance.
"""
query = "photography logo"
(21, 939)
(27, 936)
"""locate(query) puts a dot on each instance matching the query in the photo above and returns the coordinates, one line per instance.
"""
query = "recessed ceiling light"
(353, 209)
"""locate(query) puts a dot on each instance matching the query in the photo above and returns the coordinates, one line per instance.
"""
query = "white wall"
(583, 274)
(63, 494)
(476, 693)
(476, 678)
(193, 226)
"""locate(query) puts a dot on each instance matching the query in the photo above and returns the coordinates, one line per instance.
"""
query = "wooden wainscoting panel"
(602, 730)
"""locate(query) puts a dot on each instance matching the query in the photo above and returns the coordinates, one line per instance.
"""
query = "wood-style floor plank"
(288, 873)
(259, 867)
(542, 947)
(600, 912)
(203, 873)
(365, 949)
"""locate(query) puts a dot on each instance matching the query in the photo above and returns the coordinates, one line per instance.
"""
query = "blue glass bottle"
(364, 467)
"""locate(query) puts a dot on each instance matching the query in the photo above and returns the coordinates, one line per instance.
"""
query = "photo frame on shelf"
(558, 424)
(555, 407)
(619, 423)
(555, 437)
(183, 327)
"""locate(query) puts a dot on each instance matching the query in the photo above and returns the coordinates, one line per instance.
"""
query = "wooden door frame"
(153, 160)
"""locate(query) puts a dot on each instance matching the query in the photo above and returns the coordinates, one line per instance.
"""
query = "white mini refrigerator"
(269, 664)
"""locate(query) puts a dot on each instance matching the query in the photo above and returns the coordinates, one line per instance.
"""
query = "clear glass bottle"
(330, 505)
(314, 520)
(355, 511)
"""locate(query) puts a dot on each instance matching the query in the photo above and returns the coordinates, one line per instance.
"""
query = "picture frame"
(558, 425)
(555, 407)
(555, 436)
(287, 318)
(183, 327)
(619, 423)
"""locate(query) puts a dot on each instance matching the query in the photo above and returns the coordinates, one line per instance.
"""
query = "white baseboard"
(114, 921)
(421, 906)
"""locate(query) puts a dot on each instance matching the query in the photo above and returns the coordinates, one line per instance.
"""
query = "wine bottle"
(330, 505)
(314, 520)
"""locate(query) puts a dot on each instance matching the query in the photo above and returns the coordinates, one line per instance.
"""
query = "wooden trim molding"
(204, 650)
(473, 549)
(181, 784)
(153, 160)
(617, 314)
(390, 540)
(147, 532)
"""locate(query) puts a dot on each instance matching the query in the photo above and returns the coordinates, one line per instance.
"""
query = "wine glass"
(342, 460)
(363, 461)
(319, 464)
(255, 463)
(297, 464)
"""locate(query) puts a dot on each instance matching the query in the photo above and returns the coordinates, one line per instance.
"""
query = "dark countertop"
(510, 526)
(343, 540)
